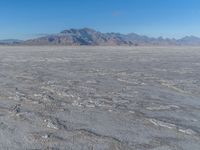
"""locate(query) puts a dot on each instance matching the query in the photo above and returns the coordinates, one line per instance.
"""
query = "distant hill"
(87, 36)
(189, 40)
(10, 41)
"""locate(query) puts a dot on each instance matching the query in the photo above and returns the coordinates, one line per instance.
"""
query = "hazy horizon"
(170, 19)
(38, 35)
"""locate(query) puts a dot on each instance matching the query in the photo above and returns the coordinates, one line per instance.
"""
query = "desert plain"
(99, 98)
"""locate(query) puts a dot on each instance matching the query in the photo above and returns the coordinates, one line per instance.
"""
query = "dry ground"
(99, 98)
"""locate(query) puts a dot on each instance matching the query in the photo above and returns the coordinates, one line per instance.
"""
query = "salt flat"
(99, 98)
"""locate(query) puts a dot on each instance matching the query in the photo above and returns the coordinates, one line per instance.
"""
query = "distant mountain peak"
(78, 30)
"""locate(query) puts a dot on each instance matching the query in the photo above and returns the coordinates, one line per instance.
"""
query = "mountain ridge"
(88, 36)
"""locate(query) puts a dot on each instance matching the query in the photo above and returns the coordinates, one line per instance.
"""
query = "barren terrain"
(99, 98)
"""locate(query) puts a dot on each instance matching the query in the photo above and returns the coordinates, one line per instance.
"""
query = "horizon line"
(38, 35)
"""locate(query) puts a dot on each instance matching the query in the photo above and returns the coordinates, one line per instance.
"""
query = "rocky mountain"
(88, 36)
(84, 36)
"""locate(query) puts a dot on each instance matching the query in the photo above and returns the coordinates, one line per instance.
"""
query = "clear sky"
(30, 18)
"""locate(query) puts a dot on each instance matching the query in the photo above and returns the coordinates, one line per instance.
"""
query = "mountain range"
(87, 36)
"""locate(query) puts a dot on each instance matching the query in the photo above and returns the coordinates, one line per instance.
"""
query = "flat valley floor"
(99, 98)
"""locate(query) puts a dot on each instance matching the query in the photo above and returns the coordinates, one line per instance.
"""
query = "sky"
(24, 19)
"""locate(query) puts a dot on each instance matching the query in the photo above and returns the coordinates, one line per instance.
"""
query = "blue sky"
(24, 19)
